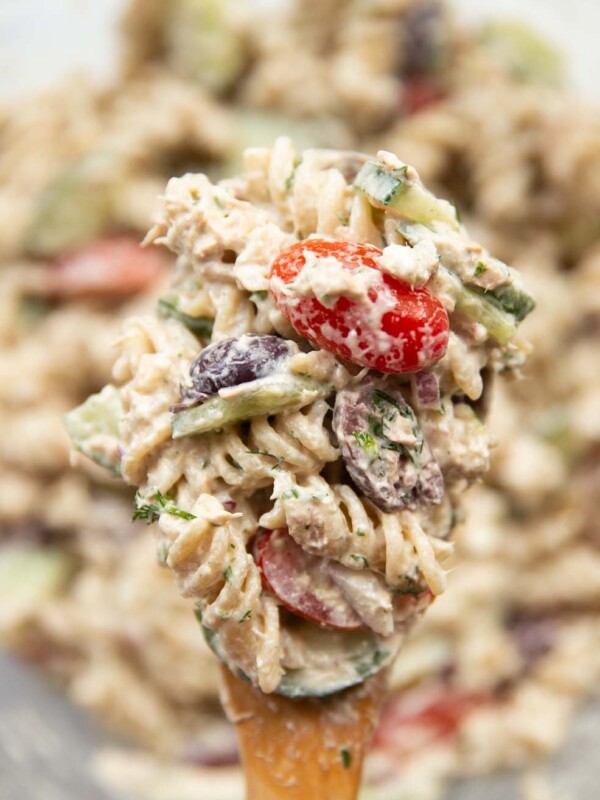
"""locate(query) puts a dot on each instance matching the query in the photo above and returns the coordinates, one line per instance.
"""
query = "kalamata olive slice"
(302, 582)
(231, 362)
(383, 447)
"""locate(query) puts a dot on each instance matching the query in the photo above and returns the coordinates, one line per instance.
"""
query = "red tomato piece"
(421, 716)
(396, 328)
(408, 606)
(109, 267)
(301, 582)
(420, 92)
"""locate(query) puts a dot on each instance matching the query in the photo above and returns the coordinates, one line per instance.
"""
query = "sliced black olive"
(232, 362)
(383, 447)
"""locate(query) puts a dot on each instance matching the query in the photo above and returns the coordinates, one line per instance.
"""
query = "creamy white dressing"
(327, 279)
(413, 265)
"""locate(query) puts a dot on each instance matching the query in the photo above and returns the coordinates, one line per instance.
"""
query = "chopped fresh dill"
(278, 459)
(367, 442)
(479, 269)
(245, 616)
(163, 504)
(357, 557)
(381, 398)
(228, 575)
(375, 426)
(292, 493)
(233, 463)
(346, 757)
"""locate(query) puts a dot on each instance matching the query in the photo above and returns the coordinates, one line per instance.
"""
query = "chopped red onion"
(426, 390)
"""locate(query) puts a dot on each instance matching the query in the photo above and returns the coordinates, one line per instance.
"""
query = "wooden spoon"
(304, 749)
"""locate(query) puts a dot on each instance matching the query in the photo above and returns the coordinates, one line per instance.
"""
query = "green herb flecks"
(228, 575)
(200, 326)
(361, 559)
(368, 443)
(479, 269)
(380, 399)
(162, 504)
(279, 460)
(259, 296)
(245, 616)
(233, 463)
(346, 756)
(289, 181)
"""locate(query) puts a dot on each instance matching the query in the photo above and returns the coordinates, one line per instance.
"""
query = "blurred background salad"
(103, 102)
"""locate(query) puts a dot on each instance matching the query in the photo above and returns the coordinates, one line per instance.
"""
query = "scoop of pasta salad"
(304, 410)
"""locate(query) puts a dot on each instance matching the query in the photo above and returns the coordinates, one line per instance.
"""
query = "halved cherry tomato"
(420, 716)
(109, 267)
(301, 582)
(396, 329)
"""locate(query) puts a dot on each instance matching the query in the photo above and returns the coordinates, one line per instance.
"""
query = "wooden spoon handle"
(303, 749)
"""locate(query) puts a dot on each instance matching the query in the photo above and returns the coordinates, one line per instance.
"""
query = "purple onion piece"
(426, 390)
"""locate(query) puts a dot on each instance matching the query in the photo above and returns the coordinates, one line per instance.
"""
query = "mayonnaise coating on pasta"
(303, 412)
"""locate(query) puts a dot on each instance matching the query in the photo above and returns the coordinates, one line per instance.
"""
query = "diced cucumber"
(255, 128)
(201, 326)
(29, 577)
(336, 659)
(523, 52)
(202, 43)
(512, 298)
(75, 208)
(473, 303)
(269, 395)
(498, 310)
(93, 427)
(396, 191)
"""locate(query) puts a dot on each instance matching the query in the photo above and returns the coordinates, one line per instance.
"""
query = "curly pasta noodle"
(394, 544)
(209, 558)
(296, 441)
(207, 553)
